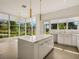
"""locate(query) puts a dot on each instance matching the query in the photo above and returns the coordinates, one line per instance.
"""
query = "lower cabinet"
(67, 39)
(42, 50)
(60, 39)
(25, 50)
(74, 40)
(78, 42)
(45, 47)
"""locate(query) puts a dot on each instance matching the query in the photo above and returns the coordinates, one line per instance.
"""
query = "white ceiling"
(15, 6)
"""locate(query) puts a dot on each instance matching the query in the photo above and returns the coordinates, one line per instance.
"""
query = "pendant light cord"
(30, 9)
(40, 10)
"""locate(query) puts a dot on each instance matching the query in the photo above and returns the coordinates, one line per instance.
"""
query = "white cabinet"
(42, 50)
(67, 39)
(64, 39)
(25, 50)
(45, 47)
(51, 43)
(74, 40)
(78, 44)
(55, 37)
(60, 39)
(35, 50)
(78, 41)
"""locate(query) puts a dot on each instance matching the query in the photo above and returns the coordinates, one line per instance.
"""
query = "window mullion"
(9, 24)
(25, 27)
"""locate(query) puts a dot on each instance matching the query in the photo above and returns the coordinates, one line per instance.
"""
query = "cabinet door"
(60, 39)
(51, 44)
(46, 47)
(25, 52)
(74, 40)
(42, 50)
(67, 39)
(78, 42)
(36, 51)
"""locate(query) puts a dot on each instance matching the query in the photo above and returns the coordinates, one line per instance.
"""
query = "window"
(72, 25)
(62, 25)
(53, 26)
(14, 26)
(4, 26)
(33, 24)
(28, 28)
(22, 26)
(46, 27)
(11, 26)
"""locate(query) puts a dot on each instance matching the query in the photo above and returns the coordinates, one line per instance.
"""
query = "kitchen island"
(26, 47)
(34, 47)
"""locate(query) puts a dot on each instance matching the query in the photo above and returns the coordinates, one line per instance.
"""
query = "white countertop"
(34, 38)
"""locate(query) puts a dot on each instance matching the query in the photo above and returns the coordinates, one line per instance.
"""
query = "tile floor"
(60, 51)
(63, 52)
(8, 49)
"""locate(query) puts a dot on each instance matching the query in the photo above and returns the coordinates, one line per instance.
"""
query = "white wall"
(64, 13)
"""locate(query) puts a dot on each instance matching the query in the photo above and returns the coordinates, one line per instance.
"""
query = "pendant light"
(31, 16)
(24, 7)
(40, 10)
(30, 9)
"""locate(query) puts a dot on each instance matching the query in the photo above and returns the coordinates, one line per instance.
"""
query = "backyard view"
(46, 27)
(13, 26)
(14, 29)
(72, 25)
(3, 28)
(28, 27)
(53, 26)
(62, 25)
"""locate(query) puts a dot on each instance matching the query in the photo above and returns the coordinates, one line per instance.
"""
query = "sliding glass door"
(4, 26)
